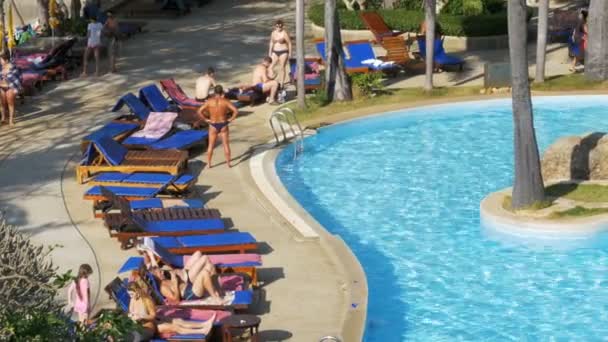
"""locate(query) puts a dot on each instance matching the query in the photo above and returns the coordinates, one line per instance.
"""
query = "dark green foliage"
(368, 84)
(76, 27)
(413, 5)
(409, 21)
(474, 7)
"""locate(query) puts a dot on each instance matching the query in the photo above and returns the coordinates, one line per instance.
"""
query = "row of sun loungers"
(141, 197)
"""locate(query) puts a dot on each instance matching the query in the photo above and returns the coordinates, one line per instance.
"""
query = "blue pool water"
(403, 190)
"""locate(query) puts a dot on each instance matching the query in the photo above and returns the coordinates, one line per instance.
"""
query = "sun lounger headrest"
(153, 97)
(113, 152)
(137, 107)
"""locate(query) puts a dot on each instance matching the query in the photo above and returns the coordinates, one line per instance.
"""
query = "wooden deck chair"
(104, 154)
(376, 24)
(239, 242)
(396, 50)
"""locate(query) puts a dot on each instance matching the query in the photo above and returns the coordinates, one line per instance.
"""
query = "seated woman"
(143, 310)
(10, 86)
(191, 282)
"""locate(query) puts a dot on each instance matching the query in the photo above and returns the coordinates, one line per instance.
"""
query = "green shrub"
(368, 84)
(319, 97)
(409, 21)
(472, 7)
(412, 5)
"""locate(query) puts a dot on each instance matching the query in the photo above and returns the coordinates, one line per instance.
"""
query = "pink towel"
(190, 314)
(157, 125)
(228, 259)
(231, 282)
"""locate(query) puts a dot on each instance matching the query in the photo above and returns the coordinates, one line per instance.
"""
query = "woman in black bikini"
(280, 50)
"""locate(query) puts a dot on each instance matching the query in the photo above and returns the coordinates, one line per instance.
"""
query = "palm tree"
(43, 12)
(528, 184)
(429, 10)
(596, 59)
(337, 82)
(300, 53)
(541, 40)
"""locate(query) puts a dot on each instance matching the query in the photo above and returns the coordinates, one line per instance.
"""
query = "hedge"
(409, 21)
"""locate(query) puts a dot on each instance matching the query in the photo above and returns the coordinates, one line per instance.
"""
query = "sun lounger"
(181, 140)
(114, 130)
(152, 96)
(179, 183)
(352, 67)
(136, 107)
(396, 50)
(440, 58)
(243, 262)
(104, 154)
(376, 24)
(312, 75)
(166, 203)
(178, 95)
(362, 54)
(117, 290)
(217, 243)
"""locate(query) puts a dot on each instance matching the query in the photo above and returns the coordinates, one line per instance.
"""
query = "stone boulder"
(576, 158)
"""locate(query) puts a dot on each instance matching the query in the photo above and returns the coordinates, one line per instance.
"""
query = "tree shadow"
(579, 159)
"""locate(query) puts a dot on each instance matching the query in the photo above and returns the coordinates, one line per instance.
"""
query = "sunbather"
(215, 112)
(143, 310)
(10, 86)
(263, 81)
(279, 50)
(204, 84)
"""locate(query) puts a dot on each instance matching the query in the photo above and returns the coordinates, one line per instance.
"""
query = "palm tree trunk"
(541, 40)
(429, 9)
(337, 82)
(301, 91)
(43, 12)
(528, 184)
(596, 58)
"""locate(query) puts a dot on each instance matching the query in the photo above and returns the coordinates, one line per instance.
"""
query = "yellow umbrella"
(11, 30)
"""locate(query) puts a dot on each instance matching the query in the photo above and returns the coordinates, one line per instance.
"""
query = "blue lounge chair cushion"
(110, 177)
(180, 140)
(157, 203)
(112, 129)
(124, 191)
(440, 56)
(187, 337)
(137, 107)
(122, 296)
(132, 263)
(113, 152)
(236, 238)
(158, 178)
(154, 98)
(243, 297)
(183, 225)
(139, 141)
(359, 52)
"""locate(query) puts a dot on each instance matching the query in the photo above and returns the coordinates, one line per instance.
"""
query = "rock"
(576, 158)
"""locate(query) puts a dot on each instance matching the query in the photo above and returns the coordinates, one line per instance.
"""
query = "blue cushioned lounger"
(157, 203)
(112, 151)
(238, 241)
(440, 57)
(168, 226)
(361, 51)
(153, 97)
(132, 263)
(135, 105)
(142, 177)
(139, 141)
(112, 129)
(124, 191)
(181, 140)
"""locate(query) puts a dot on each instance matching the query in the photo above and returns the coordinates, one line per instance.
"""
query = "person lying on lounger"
(204, 84)
(215, 112)
(263, 80)
(191, 282)
(143, 310)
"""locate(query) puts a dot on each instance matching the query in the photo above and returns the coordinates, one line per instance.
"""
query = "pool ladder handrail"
(283, 115)
(330, 338)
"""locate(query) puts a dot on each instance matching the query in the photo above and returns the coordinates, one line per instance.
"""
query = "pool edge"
(263, 172)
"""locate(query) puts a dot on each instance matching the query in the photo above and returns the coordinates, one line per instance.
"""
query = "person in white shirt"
(203, 84)
(93, 43)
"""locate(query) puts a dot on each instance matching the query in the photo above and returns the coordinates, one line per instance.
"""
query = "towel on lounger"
(157, 125)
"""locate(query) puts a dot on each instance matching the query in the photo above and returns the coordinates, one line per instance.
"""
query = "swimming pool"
(403, 190)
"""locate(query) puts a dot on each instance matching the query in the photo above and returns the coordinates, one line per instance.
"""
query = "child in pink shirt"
(79, 293)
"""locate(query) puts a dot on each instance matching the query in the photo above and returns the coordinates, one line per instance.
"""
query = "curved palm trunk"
(541, 40)
(301, 91)
(43, 12)
(337, 82)
(596, 58)
(429, 9)
(528, 184)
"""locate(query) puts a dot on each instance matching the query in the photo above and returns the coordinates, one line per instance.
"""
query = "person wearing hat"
(204, 83)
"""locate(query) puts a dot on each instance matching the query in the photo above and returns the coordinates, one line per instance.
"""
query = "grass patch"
(568, 82)
(507, 204)
(318, 109)
(592, 193)
(578, 212)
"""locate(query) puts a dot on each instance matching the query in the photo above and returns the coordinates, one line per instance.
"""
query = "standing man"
(112, 31)
(215, 112)
(204, 84)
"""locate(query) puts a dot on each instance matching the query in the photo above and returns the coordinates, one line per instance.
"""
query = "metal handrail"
(330, 339)
(285, 114)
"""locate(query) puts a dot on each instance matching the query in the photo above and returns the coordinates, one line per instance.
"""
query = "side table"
(240, 322)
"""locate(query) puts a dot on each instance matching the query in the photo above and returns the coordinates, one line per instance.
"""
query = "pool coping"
(263, 172)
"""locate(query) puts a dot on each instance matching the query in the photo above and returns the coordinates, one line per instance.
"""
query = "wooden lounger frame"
(168, 161)
(171, 187)
(376, 24)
